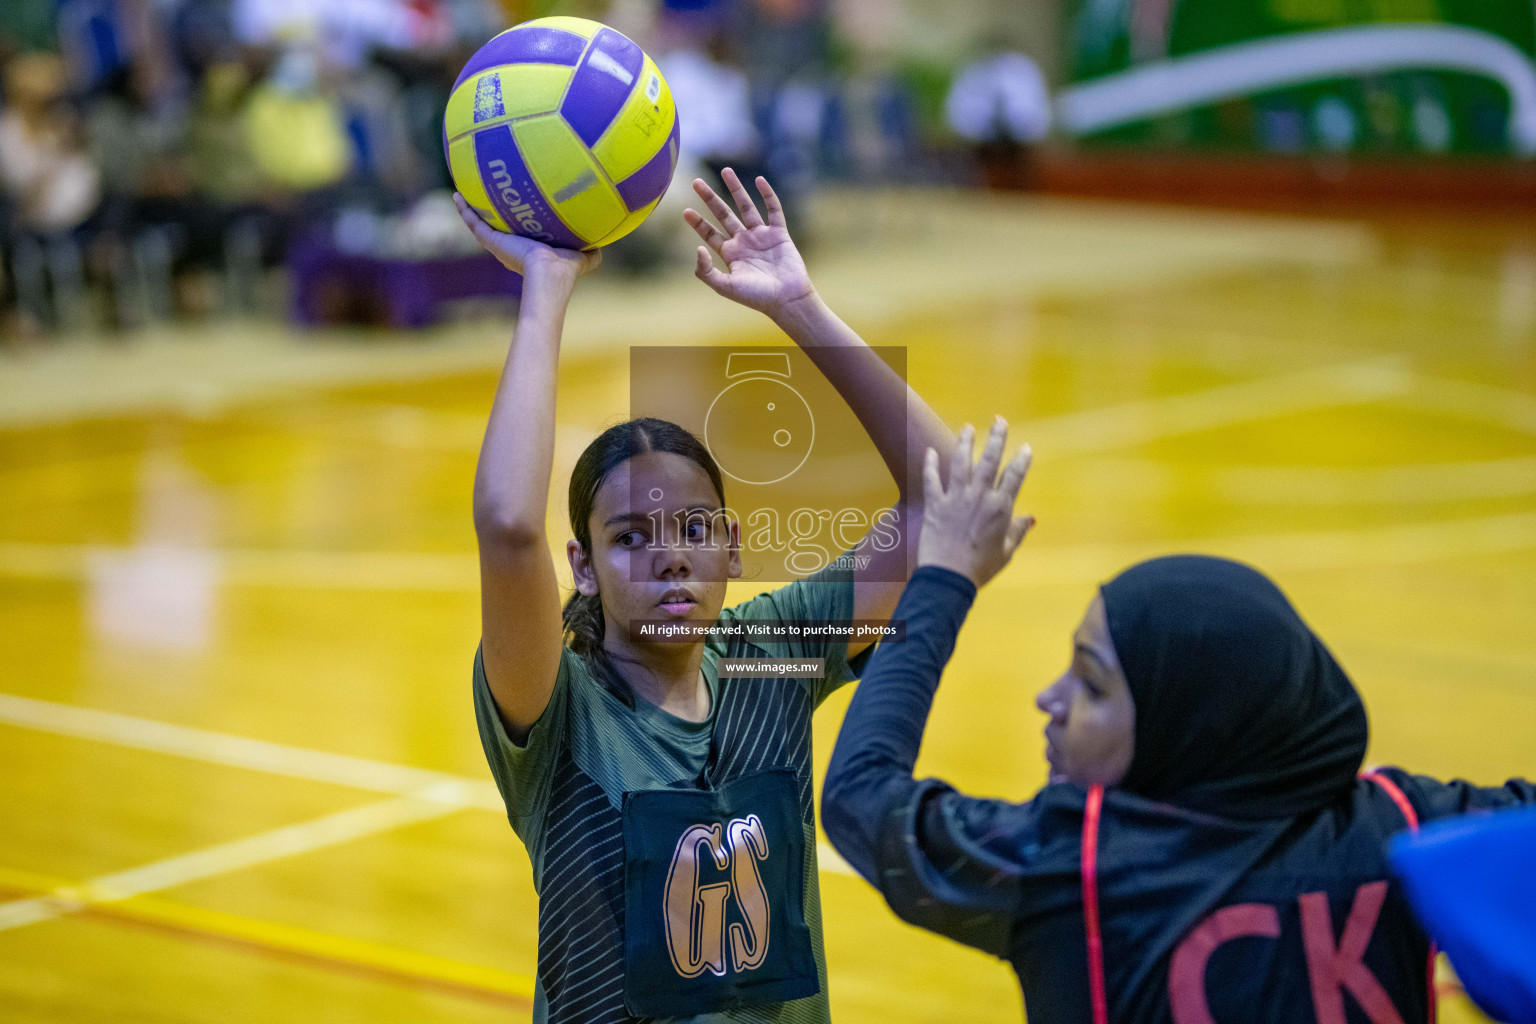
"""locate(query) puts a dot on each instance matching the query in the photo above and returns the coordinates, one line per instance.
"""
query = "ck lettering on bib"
(714, 897)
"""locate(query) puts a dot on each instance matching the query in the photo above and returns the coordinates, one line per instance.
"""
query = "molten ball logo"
(518, 209)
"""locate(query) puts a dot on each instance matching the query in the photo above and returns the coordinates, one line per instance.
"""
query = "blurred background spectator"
(1001, 105)
(163, 158)
(53, 190)
(168, 158)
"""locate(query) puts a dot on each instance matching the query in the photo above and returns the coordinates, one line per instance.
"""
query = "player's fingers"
(717, 207)
(511, 250)
(705, 230)
(479, 228)
(705, 270)
(744, 205)
(771, 203)
(960, 459)
(933, 486)
(1015, 472)
(1017, 531)
(991, 453)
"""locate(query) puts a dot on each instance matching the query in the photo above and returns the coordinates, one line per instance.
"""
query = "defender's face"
(1092, 732)
(661, 546)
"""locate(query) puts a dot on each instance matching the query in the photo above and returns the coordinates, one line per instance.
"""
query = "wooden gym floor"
(239, 776)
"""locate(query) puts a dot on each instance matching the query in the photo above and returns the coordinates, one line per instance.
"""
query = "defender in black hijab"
(1240, 709)
(1224, 864)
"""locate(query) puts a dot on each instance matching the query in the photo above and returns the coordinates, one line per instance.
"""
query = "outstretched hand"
(763, 269)
(528, 256)
(969, 526)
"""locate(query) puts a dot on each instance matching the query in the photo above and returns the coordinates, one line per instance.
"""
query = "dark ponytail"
(582, 616)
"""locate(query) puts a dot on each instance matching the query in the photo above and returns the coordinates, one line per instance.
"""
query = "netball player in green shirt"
(667, 810)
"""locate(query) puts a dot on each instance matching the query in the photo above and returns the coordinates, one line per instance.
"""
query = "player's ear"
(581, 568)
(734, 570)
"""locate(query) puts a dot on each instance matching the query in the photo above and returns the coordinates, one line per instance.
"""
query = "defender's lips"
(1053, 766)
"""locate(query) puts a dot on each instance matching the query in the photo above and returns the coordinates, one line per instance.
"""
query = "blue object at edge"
(1472, 882)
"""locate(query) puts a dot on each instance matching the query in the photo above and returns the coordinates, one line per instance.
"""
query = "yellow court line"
(331, 950)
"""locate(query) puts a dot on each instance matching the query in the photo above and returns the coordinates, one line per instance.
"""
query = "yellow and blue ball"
(563, 130)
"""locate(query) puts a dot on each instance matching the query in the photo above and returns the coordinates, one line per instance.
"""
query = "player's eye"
(698, 529)
(630, 539)
(1084, 674)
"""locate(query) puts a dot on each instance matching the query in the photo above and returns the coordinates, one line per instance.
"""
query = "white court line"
(1504, 407)
(1075, 433)
(1138, 422)
(273, 758)
(288, 841)
(1279, 552)
(1424, 483)
(1415, 542)
(321, 570)
(240, 751)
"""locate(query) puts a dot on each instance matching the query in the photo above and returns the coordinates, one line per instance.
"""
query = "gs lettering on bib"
(714, 897)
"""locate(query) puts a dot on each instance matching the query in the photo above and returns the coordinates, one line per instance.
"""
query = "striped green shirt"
(564, 788)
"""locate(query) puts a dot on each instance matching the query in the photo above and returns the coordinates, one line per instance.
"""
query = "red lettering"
(1332, 969)
(1186, 971)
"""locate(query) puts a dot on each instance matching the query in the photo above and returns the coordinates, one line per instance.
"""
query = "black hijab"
(1240, 709)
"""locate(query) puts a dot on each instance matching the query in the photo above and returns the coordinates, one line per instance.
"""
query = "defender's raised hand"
(968, 524)
(763, 269)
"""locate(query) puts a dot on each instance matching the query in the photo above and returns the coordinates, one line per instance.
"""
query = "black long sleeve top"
(1203, 918)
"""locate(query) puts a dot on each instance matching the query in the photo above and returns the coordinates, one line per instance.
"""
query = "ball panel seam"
(578, 188)
(545, 45)
(535, 94)
(607, 76)
(628, 143)
(515, 192)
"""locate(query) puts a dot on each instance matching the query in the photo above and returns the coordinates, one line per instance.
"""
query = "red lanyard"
(1090, 871)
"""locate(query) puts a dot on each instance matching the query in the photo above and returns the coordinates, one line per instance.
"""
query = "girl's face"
(661, 548)
(1092, 732)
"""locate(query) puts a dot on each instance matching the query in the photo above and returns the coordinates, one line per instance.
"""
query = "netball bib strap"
(1412, 817)
(1096, 994)
(1398, 797)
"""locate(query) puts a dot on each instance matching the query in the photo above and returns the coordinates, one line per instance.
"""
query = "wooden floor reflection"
(239, 776)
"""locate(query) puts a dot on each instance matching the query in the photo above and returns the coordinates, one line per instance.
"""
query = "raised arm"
(764, 271)
(519, 594)
(921, 843)
(1433, 799)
